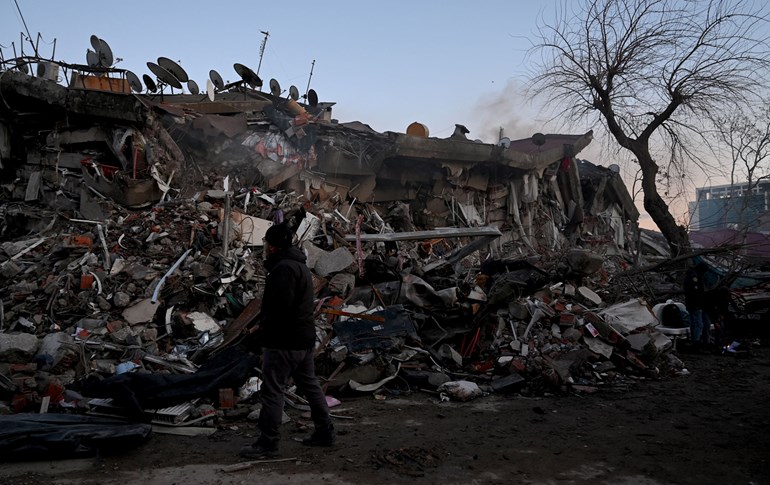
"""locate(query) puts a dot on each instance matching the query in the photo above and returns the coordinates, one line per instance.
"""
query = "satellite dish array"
(101, 56)
(169, 73)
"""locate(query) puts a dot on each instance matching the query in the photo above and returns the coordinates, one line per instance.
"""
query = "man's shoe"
(258, 451)
(326, 437)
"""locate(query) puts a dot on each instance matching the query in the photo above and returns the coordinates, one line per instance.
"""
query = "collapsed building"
(132, 224)
(71, 144)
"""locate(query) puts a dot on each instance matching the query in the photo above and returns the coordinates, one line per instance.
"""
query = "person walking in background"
(695, 302)
(286, 333)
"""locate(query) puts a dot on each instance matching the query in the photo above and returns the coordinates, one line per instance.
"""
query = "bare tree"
(747, 137)
(655, 74)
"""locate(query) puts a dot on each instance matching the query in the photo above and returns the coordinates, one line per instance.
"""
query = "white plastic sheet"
(629, 316)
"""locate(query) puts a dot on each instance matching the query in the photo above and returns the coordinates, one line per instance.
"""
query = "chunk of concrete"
(53, 348)
(447, 352)
(572, 334)
(313, 253)
(639, 341)
(342, 283)
(509, 383)
(333, 262)
(588, 296)
(204, 322)
(141, 312)
(17, 348)
(9, 269)
(121, 299)
(584, 262)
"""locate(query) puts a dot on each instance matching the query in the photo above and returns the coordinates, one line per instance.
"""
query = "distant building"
(732, 206)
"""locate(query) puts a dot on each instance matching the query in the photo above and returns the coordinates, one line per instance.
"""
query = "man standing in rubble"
(286, 333)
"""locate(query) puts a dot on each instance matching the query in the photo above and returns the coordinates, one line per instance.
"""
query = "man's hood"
(288, 253)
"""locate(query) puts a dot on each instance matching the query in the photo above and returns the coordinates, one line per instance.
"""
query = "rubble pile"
(162, 290)
(131, 228)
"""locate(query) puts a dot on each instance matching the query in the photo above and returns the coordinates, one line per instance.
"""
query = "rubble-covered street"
(484, 313)
(643, 435)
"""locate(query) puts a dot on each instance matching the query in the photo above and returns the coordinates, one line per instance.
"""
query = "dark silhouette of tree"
(657, 75)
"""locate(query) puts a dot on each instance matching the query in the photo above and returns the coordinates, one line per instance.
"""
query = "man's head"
(278, 237)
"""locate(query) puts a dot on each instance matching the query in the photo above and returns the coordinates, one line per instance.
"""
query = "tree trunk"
(656, 207)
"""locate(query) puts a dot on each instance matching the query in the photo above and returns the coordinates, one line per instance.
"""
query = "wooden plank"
(249, 464)
(235, 329)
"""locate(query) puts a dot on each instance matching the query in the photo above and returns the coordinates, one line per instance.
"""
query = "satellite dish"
(134, 82)
(248, 76)
(173, 68)
(210, 92)
(294, 93)
(92, 58)
(538, 139)
(275, 88)
(151, 87)
(23, 67)
(192, 86)
(504, 142)
(216, 79)
(95, 42)
(164, 75)
(105, 53)
(312, 98)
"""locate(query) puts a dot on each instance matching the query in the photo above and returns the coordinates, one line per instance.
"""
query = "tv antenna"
(262, 49)
(312, 66)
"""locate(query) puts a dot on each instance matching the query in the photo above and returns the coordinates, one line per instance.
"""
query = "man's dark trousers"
(277, 366)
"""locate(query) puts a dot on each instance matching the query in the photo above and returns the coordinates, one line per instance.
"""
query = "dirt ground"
(712, 426)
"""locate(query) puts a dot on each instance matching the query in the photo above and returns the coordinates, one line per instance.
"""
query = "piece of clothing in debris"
(277, 366)
(286, 317)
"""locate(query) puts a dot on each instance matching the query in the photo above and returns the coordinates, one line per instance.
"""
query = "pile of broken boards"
(143, 310)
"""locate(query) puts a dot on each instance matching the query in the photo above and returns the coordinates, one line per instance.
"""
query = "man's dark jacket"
(286, 319)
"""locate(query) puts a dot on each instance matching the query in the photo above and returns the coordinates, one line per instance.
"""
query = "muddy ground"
(712, 426)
